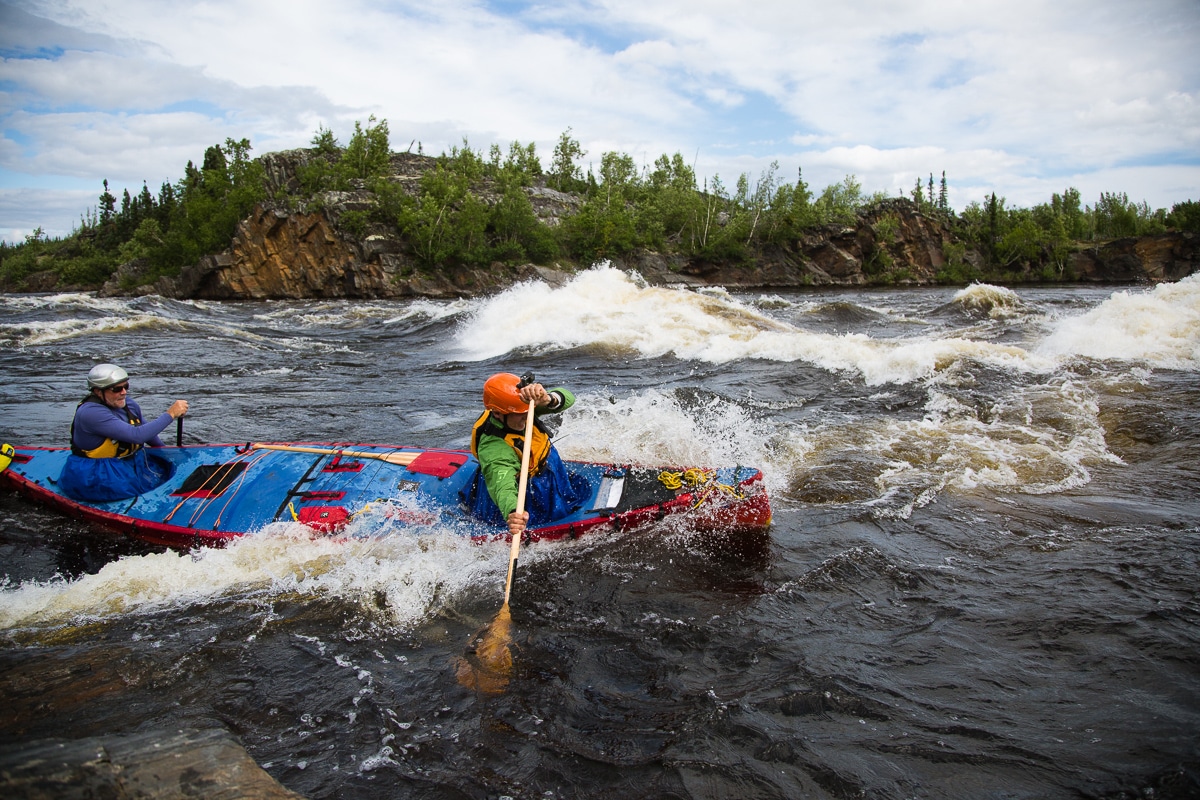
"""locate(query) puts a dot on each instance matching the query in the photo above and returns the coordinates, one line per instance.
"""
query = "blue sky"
(1021, 97)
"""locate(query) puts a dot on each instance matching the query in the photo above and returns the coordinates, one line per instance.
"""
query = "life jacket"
(109, 448)
(539, 449)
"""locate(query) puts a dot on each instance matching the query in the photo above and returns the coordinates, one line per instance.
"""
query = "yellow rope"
(692, 477)
(694, 480)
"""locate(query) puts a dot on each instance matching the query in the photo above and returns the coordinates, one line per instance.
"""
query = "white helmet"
(103, 376)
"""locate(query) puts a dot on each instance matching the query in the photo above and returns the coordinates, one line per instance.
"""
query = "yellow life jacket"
(109, 448)
(539, 449)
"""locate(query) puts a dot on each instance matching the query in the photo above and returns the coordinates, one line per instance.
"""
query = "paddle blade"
(488, 668)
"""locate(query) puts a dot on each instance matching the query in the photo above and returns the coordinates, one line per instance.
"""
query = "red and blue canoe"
(223, 491)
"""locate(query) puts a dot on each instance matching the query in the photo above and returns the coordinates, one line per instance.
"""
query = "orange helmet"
(500, 394)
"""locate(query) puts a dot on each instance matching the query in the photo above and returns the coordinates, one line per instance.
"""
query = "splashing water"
(1161, 328)
(407, 577)
(996, 301)
(607, 308)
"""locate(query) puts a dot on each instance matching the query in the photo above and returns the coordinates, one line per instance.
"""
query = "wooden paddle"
(492, 646)
(400, 459)
(522, 486)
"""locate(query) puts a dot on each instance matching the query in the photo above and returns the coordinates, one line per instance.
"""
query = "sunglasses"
(124, 387)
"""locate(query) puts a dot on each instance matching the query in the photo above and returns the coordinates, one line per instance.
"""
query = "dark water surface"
(982, 578)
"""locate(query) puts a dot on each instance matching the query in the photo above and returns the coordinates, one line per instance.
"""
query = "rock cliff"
(1165, 257)
(284, 251)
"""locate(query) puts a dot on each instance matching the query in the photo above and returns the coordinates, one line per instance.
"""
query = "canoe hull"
(221, 492)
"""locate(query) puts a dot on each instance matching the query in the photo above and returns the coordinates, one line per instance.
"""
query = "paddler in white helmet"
(108, 436)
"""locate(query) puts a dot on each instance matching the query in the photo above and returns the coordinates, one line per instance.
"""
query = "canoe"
(222, 491)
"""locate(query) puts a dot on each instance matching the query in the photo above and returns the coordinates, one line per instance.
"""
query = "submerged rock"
(160, 764)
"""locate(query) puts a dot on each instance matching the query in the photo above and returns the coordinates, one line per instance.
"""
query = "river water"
(981, 581)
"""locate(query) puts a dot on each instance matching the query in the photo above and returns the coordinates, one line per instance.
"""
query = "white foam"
(27, 334)
(997, 301)
(609, 308)
(346, 313)
(412, 574)
(28, 302)
(1160, 327)
(1038, 439)
(652, 428)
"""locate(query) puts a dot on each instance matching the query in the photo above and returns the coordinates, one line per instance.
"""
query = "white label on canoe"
(610, 493)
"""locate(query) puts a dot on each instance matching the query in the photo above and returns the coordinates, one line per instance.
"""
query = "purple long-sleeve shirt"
(95, 422)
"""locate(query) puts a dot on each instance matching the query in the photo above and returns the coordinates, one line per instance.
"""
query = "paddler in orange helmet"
(497, 440)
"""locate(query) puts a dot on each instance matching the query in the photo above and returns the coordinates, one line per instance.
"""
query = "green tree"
(565, 174)
(1185, 216)
(321, 173)
(607, 223)
(164, 209)
(1021, 243)
(368, 153)
(670, 197)
(714, 202)
(145, 240)
(367, 157)
(839, 202)
(997, 224)
(325, 144)
(523, 163)
(757, 203)
(514, 230)
(445, 223)
(145, 203)
(918, 195)
(465, 162)
(1069, 207)
(791, 212)
(211, 202)
(108, 205)
(1114, 215)
(214, 161)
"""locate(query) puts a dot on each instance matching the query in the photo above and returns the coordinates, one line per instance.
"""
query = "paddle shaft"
(400, 459)
(179, 431)
(522, 486)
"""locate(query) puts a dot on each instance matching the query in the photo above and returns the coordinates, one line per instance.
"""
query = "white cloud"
(150, 147)
(1013, 96)
(24, 210)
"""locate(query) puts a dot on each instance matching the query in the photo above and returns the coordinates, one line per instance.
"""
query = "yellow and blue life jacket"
(109, 448)
(539, 448)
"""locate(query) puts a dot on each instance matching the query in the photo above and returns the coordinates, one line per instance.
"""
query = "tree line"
(186, 220)
(474, 208)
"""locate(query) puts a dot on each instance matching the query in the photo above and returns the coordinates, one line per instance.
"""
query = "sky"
(1024, 98)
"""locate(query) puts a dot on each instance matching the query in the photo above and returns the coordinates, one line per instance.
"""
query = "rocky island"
(362, 221)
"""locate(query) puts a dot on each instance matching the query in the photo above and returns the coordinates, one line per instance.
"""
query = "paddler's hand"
(178, 409)
(535, 393)
(517, 521)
